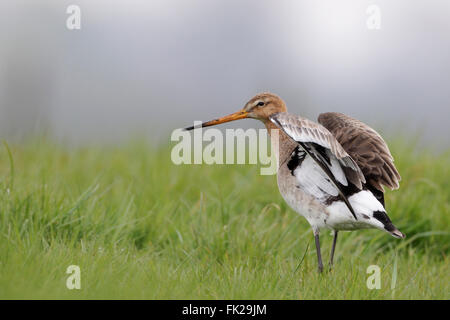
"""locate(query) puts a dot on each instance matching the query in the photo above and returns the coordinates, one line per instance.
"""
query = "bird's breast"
(297, 197)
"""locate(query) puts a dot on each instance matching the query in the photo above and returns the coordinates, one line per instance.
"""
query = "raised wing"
(366, 147)
(325, 150)
(303, 130)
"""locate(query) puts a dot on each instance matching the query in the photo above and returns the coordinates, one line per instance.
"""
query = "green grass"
(140, 227)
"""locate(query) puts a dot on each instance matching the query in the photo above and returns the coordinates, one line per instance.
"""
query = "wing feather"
(306, 131)
(325, 150)
(366, 147)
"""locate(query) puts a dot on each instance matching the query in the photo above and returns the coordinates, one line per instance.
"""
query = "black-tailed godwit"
(331, 172)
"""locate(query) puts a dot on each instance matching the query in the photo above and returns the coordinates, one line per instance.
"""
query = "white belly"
(305, 204)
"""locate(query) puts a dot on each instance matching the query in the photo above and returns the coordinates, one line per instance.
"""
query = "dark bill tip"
(188, 128)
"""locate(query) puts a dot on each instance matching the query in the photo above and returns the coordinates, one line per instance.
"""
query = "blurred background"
(147, 67)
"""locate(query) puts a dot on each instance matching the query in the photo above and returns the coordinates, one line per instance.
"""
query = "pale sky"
(151, 66)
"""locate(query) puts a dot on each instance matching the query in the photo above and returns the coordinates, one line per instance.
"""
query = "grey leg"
(333, 247)
(319, 255)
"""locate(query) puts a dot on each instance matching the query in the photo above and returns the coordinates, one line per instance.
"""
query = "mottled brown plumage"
(366, 147)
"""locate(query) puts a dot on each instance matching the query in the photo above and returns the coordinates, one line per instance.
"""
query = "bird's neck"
(281, 143)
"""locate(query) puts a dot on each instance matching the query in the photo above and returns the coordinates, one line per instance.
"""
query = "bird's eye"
(260, 104)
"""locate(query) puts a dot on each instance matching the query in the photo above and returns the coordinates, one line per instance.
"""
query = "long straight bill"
(231, 117)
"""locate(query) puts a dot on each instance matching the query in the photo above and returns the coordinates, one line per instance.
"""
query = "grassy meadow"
(140, 227)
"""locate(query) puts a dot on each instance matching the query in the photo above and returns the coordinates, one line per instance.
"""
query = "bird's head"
(259, 107)
(263, 105)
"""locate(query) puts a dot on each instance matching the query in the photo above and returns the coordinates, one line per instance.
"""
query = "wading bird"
(331, 172)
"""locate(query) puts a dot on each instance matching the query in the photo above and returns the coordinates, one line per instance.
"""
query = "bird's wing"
(366, 147)
(323, 147)
(306, 131)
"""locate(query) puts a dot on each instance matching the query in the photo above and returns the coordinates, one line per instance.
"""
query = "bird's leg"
(319, 256)
(333, 247)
